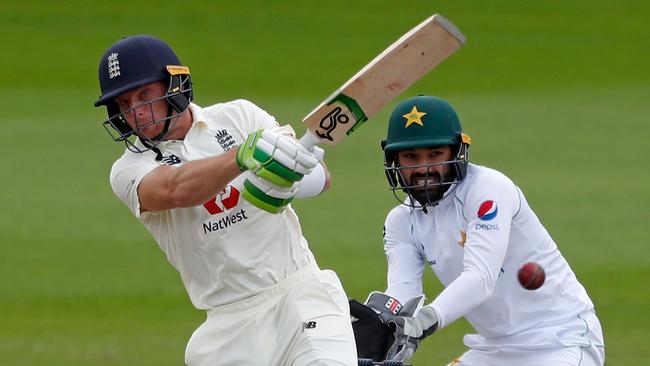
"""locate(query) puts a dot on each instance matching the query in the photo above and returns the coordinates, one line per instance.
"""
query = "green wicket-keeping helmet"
(424, 121)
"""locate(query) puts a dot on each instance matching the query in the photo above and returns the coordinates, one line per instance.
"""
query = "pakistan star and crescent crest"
(414, 116)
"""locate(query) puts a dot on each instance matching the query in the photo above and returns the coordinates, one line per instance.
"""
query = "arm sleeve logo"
(488, 210)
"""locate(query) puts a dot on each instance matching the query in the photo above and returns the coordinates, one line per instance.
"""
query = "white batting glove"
(288, 152)
(271, 189)
(318, 152)
(278, 158)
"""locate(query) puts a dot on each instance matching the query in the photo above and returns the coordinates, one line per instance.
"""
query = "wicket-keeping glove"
(277, 162)
(410, 330)
(371, 335)
(422, 325)
(373, 341)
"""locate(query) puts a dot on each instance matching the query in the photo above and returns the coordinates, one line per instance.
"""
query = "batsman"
(474, 228)
(214, 185)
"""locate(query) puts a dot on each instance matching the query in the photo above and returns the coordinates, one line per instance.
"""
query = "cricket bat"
(383, 79)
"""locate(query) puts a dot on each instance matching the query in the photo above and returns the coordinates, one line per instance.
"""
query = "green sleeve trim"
(519, 194)
(462, 207)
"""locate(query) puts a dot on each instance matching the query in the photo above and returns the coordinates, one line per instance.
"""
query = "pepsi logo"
(488, 210)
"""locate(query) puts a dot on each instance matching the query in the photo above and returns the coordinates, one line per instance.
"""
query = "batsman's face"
(144, 107)
(423, 169)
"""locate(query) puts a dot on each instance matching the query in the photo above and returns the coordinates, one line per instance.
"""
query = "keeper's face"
(417, 162)
(424, 169)
(144, 108)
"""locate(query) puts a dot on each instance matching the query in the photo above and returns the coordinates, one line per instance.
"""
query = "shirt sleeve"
(126, 175)
(405, 259)
(255, 118)
(490, 206)
(313, 183)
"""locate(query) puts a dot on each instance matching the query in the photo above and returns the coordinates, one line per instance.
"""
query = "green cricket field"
(553, 93)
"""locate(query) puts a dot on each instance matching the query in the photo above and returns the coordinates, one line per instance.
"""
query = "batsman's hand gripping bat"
(384, 78)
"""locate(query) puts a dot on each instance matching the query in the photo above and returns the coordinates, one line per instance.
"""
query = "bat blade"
(382, 80)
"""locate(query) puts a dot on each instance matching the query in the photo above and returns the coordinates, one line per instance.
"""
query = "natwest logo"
(225, 200)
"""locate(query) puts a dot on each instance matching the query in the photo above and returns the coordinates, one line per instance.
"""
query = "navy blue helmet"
(135, 61)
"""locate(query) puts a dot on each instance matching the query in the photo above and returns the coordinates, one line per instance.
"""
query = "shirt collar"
(197, 116)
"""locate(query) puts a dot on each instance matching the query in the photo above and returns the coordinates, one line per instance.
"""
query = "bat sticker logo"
(328, 123)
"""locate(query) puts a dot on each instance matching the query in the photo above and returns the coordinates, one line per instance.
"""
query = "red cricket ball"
(531, 276)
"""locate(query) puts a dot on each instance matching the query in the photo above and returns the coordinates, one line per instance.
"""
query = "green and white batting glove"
(266, 195)
(318, 153)
(276, 164)
(278, 158)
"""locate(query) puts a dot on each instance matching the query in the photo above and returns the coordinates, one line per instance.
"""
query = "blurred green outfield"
(554, 93)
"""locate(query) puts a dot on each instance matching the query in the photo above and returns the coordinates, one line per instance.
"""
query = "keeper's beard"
(428, 188)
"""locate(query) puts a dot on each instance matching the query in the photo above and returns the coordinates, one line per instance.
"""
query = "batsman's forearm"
(199, 180)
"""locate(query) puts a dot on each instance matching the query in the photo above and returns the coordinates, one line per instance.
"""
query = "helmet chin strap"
(161, 135)
(152, 148)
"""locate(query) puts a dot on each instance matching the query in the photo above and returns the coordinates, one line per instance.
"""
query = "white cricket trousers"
(303, 320)
(589, 350)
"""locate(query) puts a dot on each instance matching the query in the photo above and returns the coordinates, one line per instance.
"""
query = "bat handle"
(309, 140)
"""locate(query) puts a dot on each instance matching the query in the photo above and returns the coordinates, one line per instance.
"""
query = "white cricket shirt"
(475, 240)
(226, 249)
